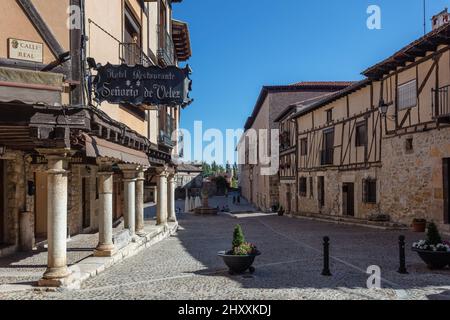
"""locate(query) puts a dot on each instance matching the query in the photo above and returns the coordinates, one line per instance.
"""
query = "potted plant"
(419, 225)
(242, 255)
(433, 251)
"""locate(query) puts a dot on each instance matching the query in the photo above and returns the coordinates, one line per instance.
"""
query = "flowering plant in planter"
(242, 255)
(433, 251)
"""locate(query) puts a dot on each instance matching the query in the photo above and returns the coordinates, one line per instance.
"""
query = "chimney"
(440, 19)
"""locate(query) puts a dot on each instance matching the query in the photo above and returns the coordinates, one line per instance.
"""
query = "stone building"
(70, 165)
(189, 179)
(263, 190)
(380, 148)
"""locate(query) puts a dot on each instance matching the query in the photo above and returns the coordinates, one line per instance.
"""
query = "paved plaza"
(185, 266)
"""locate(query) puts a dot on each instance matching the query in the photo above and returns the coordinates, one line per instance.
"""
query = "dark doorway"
(40, 208)
(348, 199)
(288, 198)
(85, 198)
(2, 202)
(321, 191)
(446, 172)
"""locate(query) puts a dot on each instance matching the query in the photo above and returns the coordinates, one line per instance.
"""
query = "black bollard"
(326, 257)
(401, 244)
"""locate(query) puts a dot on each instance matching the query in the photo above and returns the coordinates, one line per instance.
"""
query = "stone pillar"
(105, 247)
(171, 198)
(129, 201)
(140, 201)
(57, 273)
(161, 204)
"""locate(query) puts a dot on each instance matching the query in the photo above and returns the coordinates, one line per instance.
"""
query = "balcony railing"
(132, 54)
(327, 157)
(166, 51)
(166, 139)
(441, 107)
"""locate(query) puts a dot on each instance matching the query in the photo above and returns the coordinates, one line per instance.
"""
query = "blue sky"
(238, 46)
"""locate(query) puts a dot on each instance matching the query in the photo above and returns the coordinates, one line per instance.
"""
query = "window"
(329, 115)
(407, 95)
(361, 134)
(304, 146)
(311, 188)
(370, 191)
(327, 154)
(302, 187)
(409, 145)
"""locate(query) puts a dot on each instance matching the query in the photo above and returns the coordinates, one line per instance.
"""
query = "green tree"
(238, 236)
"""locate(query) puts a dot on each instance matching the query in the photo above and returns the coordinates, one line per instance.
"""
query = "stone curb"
(349, 223)
(93, 266)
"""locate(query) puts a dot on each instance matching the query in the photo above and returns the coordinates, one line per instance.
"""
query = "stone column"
(171, 198)
(129, 201)
(57, 273)
(161, 204)
(105, 247)
(140, 201)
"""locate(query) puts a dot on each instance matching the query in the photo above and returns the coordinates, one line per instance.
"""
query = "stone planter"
(419, 226)
(435, 260)
(238, 264)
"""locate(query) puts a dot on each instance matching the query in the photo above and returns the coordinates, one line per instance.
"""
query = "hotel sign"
(25, 50)
(143, 86)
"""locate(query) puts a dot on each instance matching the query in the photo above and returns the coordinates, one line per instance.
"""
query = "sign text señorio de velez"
(139, 85)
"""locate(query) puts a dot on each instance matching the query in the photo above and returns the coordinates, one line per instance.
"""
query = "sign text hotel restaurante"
(139, 85)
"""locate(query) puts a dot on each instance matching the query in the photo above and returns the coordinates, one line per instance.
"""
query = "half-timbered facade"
(67, 164)
(381, 146)
(263, 190)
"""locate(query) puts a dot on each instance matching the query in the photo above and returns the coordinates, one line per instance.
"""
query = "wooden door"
(40, 210)
(348, 199)
(2, 203)
(446, 176)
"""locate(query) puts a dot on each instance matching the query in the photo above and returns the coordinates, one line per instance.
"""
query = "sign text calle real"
(139, 85)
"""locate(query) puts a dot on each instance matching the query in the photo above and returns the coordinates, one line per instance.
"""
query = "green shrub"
(238, 236)
(433, 236)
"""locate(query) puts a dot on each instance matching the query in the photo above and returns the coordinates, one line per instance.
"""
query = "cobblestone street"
(186, 266)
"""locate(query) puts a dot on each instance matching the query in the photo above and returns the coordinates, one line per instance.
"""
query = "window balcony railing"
(440, 104)
(327, 157)
(166, 51)
(132, 54)
(165, 139)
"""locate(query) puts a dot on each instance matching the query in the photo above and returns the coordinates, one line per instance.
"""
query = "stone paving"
(186, 266)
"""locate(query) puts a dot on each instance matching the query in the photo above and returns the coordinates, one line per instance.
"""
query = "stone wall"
(412, 180)
(15, 195)
(333, 200)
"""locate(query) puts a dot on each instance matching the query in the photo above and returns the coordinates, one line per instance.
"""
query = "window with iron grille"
(407, 95)
(370, 191)
(302, 187)
(304, 147)
(361, 134)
